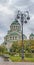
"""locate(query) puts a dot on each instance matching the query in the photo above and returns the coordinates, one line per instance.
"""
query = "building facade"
(14, 34)
(31, 36)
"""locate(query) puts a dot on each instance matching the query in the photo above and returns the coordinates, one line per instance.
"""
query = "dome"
(15, 22)
(31, 34)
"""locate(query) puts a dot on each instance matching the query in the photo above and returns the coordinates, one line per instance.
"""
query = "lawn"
(19, 59)
(15, 58)
(29, 59)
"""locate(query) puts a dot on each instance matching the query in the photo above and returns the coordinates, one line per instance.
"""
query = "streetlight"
(24, 18)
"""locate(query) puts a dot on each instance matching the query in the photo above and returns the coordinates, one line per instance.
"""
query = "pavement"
(2, 62)
(16, 63)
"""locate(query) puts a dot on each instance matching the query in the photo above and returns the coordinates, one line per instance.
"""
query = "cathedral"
(14, 34)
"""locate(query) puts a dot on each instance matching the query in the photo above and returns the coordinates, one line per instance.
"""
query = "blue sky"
(7, 14)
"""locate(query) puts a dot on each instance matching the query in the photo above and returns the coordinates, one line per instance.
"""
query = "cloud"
(5, 10)
(8, 8)
(2, 34)
(32, 0)
(3, 1)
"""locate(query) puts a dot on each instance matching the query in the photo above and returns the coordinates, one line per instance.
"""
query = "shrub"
(28, 55)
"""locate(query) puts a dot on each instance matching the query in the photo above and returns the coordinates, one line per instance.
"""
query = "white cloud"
(5, 9)
(32, 0)
(2, 34)
(7, 13)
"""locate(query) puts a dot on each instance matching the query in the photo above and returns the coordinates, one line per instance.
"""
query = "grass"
(15, 58)
(19, 59)
(29, 59)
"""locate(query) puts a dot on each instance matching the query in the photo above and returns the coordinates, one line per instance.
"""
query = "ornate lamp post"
(24, 18)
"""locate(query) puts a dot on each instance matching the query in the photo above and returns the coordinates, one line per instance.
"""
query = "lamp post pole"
(22, 51)
(24, 17)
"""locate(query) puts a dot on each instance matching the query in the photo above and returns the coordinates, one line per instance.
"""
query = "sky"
(8, 9)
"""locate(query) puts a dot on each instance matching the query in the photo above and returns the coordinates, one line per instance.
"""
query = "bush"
(28, 55)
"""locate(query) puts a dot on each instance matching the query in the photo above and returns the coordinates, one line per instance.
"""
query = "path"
(2, 62)
(16, 63)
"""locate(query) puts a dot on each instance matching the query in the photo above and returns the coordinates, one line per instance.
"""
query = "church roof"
(31, 34)
(15, 22)
(14, 33)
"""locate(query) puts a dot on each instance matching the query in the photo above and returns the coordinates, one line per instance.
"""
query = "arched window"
(13, 37)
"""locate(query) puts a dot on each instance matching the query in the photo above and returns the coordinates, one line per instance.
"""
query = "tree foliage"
(2, 49)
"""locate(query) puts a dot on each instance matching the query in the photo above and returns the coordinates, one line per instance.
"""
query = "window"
(14, 27)
(10, 38)
(13, 37)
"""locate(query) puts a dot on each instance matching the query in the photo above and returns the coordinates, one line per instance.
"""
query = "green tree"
(2, 49)
(14, 47)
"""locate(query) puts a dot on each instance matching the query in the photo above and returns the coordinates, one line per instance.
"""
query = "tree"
(28, 47)
(14, 47)
(2, 49)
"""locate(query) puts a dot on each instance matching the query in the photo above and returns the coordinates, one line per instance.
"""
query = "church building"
(14, 34)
